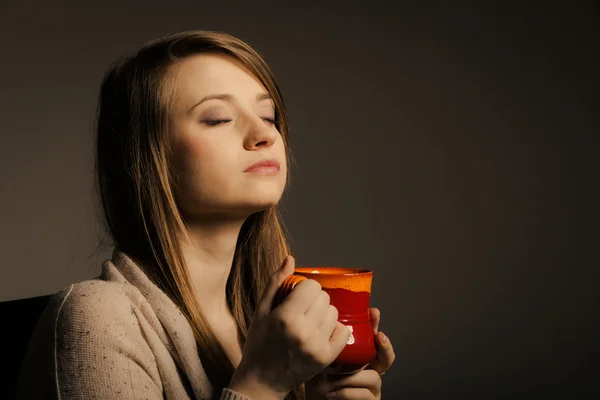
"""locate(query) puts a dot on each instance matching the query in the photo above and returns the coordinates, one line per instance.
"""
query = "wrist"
(250, 386)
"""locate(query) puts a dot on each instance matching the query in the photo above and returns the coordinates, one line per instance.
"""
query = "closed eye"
(214, 122)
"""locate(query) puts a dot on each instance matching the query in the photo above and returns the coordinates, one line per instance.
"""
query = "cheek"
(192, 160)
(199, 157)
(281, 155)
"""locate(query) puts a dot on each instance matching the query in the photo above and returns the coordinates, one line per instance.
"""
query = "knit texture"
(229, 394)
(115, 337)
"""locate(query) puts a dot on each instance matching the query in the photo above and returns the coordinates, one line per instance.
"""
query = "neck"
(209, 257)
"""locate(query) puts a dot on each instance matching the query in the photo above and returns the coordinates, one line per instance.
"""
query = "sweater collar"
(181, 341)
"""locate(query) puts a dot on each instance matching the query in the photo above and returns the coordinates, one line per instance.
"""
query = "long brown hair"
(134, 182)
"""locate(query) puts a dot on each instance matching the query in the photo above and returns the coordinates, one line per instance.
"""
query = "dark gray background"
(451, 149)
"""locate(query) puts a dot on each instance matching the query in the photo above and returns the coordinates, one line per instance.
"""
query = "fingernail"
(383, 338)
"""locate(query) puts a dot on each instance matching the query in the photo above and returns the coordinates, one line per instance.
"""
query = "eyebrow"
(227, 97)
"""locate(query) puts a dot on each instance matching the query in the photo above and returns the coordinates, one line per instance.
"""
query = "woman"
(191, 161)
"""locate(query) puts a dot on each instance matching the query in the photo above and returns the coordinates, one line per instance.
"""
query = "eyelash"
(215, 122)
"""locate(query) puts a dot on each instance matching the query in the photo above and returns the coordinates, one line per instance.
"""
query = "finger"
(339, 338)
(367, 378)
(301, 298)
(375, 316)
(323, 383)
(265, 303)
(318, 310)
(330, 321)
(385, 354)
(352, 394)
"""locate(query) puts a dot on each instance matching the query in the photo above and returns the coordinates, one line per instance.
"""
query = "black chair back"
(19, 318)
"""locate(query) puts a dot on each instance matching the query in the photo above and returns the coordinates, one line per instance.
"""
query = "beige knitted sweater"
(115, 337)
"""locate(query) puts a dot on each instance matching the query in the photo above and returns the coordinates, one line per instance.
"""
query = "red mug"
(349, 291)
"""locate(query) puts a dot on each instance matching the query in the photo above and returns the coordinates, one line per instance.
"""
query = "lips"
(264, 166)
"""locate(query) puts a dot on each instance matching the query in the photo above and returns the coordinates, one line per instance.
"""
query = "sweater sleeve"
(88, 344)
(228, 394)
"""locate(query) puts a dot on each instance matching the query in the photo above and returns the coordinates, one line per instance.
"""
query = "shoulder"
(93, 302)
(96, 317)
(90, 338)
(89, 341)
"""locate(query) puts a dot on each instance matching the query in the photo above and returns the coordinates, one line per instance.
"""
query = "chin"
(258, 206)
(262, 196)
(262, 202)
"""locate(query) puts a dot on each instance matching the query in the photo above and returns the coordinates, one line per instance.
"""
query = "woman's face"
(222, 123)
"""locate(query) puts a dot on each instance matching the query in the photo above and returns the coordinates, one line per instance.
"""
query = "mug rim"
(344, 271)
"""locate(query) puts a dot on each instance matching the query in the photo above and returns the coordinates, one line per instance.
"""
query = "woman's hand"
(385, 351)
(287, 346)
(365, 384)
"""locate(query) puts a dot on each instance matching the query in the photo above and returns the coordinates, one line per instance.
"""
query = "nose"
(260, 134)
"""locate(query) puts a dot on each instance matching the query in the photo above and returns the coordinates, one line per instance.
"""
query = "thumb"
(385, 354)
(375, 316)
(266, 301)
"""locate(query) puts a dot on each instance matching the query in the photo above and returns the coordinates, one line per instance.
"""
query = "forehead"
(208, 74)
